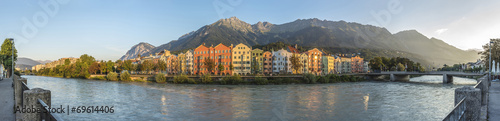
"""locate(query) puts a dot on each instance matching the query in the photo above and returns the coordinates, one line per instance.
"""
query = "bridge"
(405, 76)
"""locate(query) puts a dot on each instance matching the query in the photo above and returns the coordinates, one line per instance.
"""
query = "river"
(423, 98)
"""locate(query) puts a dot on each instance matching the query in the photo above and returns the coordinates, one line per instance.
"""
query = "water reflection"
(340, 101)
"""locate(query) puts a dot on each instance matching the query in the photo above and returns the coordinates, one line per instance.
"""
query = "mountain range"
(324, 34)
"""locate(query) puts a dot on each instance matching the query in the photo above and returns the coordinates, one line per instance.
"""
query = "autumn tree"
(295, 61)
(94, 68)
(209, 64)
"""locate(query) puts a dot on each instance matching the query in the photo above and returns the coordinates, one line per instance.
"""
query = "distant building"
(189, 62)
(357, 64)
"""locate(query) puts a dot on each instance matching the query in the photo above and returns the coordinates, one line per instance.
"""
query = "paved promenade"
(7, 100)
(494, 102)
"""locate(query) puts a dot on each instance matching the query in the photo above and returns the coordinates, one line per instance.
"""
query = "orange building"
(268, 67)
(357, 64)
(220, 54)
(314, 61)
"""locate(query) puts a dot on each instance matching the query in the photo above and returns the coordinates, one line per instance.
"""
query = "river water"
(423, 98)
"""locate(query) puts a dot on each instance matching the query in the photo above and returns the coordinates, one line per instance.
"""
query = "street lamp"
(12, 50)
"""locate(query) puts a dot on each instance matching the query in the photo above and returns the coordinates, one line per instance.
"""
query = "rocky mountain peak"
(138, 49)
(234, 23)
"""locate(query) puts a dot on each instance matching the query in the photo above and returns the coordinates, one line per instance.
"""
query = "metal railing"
(458, 113)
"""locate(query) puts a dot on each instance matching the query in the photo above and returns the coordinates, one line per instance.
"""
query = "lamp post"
(489, 73)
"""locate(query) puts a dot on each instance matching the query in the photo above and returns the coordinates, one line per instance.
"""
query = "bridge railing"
(458, 112)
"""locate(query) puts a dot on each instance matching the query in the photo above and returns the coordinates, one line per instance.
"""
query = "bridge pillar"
(400, 77)
(392, 78)
(447, 78)
(472, 101)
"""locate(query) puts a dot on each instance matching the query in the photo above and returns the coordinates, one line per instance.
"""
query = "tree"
(295, 60)
(400, 67)
(231, 67)
(161, 66)
(127, 65)
(220, 68)
(94, 68)
(209, 64)
(495, 51)
(67, 62)
(6, 58)
(147, 66)
(109, 66)
(102, 67)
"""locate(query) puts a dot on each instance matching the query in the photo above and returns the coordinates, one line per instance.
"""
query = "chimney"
(203, 43)
(295, 46)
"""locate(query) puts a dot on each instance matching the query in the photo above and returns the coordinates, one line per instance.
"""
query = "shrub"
(139, 80)
(125, 76)
(112, 76)
(236, 79)
(181, 79)
(261, 81)
(98, 78)
(323, 79)
(160, 78)
(309, 78)
(206, 79)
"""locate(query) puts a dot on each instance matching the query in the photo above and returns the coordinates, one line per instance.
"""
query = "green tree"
(209, 64)
(296, 64)
(401, 67)
(147, 66)
(102, 67)
(127, 65)
(109, 66)
(6, 58)
(220, 68)
(485, 55)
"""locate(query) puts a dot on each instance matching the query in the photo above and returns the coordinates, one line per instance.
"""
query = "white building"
(281, 62)
(189, 61)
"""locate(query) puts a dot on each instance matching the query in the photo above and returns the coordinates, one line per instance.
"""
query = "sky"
(107, 29)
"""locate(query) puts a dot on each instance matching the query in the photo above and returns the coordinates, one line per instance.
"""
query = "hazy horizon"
(108, 29)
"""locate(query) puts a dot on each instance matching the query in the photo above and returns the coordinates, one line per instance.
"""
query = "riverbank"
(231, 80)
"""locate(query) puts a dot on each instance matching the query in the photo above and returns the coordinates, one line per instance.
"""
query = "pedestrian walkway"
(7, 100)
(494, 102)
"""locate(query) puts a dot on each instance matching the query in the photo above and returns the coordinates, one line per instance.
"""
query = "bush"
(112, 76)
(139, 80)
(261, 81)
(323, 79)
(236, 79)
(309, 78)
(160, 78)
(206, 79)
(125, 76)
(181, 79)
(98, 78)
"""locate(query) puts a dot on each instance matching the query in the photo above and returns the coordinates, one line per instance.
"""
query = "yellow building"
(181, 58)
(304, 61)
(241, 59)
(331, 65)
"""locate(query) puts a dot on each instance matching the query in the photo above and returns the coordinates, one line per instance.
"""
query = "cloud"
(440, 31)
